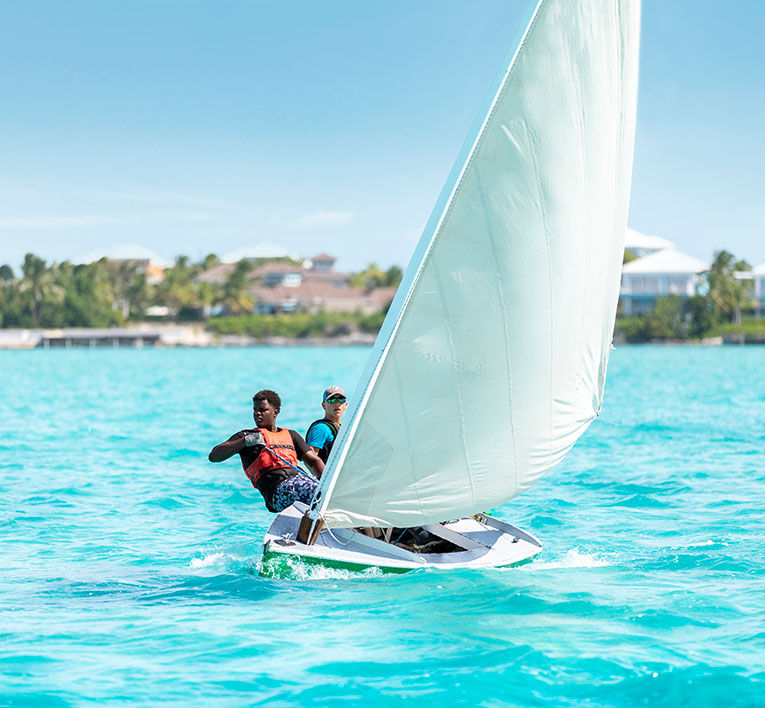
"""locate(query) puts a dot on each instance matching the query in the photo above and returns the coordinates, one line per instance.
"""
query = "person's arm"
(225, 450)
(314, 462)
(306, 454)
(234, 444)
(317, 436)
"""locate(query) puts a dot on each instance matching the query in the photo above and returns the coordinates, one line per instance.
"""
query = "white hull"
(486, 543)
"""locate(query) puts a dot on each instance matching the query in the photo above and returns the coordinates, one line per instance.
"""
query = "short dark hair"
(271, 397)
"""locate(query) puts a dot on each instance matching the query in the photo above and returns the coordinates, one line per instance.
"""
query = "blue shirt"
(320, 436)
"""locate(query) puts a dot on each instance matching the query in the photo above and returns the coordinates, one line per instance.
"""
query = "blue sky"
(196, 127)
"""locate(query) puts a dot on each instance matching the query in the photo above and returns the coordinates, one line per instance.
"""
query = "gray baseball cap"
(333, 391)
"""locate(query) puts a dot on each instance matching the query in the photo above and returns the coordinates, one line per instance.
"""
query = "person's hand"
(254, 438)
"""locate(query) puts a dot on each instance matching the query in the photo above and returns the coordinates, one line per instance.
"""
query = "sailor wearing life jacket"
(321, 434)
(270, 456)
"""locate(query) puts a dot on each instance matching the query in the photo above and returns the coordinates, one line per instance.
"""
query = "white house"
(662, 273)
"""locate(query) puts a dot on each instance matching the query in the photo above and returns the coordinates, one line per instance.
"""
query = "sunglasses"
(336, 399)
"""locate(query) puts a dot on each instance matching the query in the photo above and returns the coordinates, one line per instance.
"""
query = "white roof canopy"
(667, 261)
(634, 240)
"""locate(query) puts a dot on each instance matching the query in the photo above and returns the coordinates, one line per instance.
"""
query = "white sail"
(492, 360)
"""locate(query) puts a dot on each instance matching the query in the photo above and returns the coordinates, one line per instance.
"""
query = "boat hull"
(482, 541)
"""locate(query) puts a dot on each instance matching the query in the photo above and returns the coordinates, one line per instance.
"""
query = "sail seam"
(410, 446)
(585, 281)
(505, 319)
(450, 332)
(533, 142)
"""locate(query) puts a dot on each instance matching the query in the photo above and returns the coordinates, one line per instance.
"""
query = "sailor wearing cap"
(321, 434)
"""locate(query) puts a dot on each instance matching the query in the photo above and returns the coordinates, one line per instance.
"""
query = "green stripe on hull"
(282, 565)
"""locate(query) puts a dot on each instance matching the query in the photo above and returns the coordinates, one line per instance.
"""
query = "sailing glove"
(254, 438)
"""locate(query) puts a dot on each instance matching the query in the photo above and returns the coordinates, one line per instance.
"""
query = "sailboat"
(492, 359)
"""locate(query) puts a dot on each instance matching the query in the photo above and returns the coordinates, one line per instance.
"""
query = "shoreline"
(164, 335)
(158, 336)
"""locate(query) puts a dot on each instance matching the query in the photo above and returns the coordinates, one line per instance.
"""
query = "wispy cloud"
(156, 197)
(320, 220)
(144, 196)
(188, 216)
(53, 222)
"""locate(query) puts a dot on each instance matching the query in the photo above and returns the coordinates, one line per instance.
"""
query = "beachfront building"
(319, 269)
(661, 273)
(639, 245)
(315, 296)
(313, 287)
(321, 262)
(310, 286)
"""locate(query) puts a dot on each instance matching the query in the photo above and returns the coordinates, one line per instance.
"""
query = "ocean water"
(129, 564)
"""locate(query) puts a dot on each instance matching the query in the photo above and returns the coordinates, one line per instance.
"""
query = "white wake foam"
(295, 569)
(215, 558)
(206, 561)
(572, 559)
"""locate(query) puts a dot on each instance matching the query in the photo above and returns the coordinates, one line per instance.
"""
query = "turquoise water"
(129, 564)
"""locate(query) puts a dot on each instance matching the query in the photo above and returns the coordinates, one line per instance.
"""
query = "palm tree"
(236, 296)
(39, 284)
(176, 290)
(728, 290)
(208, 295)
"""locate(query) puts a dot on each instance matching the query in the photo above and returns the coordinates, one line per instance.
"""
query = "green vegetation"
(717, 313)
(109, 293)
(373, 277)
(674, 317)
(728, 294)
(63, 295)
(298, 325)
(114, 293)
(750, 329)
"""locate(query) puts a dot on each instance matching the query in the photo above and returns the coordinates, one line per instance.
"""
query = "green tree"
(128, 286)
(236, 296)
(393, 276)
(208, 295)
(369, 279)
(38, 285)
(176, 290)
(209, 261)
(728, 293)
(700, 316)
(89, 299)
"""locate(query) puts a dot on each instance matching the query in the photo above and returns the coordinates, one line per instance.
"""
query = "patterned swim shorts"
(298, 488)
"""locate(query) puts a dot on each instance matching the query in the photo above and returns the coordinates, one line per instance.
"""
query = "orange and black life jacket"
(267, 471)
(266, 462)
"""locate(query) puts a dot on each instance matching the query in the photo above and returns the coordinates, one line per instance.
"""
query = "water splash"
(217, 558)
(206, 561)
(285, 567)
(571, 559)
